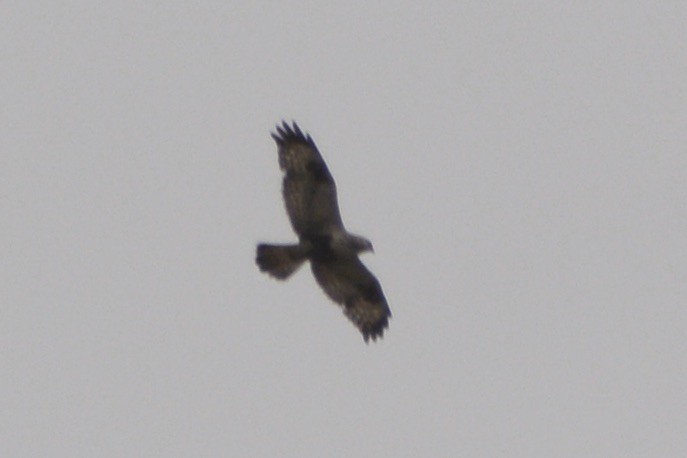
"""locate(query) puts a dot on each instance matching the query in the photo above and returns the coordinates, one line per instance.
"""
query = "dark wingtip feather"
(297, 129)
(286, 133)
(277, 138)
(287, 128)
(375, 332)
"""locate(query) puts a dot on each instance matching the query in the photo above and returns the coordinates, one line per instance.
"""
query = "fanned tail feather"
(280, 261)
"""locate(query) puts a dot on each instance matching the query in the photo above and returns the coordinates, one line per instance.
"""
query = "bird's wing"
(308, 188)
(350, 284)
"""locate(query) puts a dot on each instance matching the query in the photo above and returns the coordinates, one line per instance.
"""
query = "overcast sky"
(520, 168)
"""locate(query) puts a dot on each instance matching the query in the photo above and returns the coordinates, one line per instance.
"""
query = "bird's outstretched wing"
(350, 284)
(308, 187)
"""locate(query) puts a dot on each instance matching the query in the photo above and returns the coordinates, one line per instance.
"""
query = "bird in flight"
(309, 194)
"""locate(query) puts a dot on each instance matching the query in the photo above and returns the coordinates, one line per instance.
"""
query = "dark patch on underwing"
(318, 171)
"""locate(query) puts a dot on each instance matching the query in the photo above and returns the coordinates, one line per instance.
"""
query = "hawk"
(310, 197)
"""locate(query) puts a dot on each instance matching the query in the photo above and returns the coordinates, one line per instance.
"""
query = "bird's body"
(310, 197)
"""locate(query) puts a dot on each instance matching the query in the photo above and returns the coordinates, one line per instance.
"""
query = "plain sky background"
(519, 166)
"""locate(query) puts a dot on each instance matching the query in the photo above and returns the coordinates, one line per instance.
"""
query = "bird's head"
(360, 244)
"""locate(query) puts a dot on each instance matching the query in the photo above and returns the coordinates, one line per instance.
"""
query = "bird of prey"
(310, 197)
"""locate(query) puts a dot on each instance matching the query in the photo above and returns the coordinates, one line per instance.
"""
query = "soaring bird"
(309, 194)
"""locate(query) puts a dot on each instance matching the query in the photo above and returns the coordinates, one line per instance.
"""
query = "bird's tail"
(280, 261)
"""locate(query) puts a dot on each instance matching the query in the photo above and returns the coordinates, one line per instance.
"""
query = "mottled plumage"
(309, 194)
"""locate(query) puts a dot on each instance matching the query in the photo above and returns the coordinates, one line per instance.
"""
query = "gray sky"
(520, 169)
